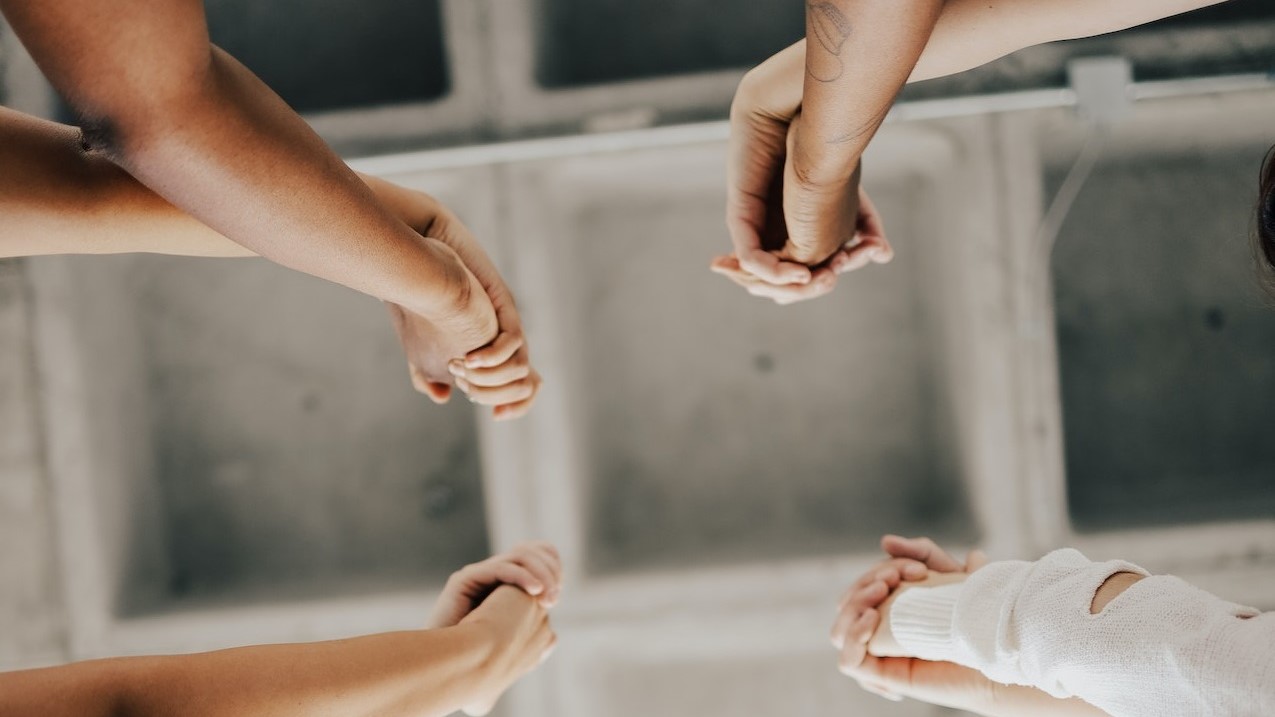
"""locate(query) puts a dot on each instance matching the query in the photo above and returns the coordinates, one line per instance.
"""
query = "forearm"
(203, 132)
(407, 674)
(58, 198)
(971, 33)
(1163, 646)
(859, 53)
(232, 155)
(1018, 701)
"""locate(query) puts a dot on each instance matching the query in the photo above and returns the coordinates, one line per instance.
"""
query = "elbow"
(98, 135)
(127, 135)
(121, 120)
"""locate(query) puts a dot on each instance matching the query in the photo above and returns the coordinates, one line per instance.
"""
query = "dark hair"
(1264, 231)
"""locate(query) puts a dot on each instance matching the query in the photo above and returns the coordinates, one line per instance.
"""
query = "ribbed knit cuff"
(921, 621)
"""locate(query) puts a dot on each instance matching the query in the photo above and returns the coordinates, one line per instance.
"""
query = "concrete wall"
(33, 626)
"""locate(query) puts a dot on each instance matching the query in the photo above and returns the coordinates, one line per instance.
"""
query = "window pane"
(592, 41)
(337, 54)
(1166, 346)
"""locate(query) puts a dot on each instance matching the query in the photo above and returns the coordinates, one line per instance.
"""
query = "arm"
(405, 673)
(765, 118)
(861, 54)
(1104, 632)
(56, 198)
(870, 656)
(468, 657)
(199, 129)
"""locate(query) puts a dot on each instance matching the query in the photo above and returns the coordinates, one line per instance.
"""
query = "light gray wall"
(32, 619)
(1166, 341)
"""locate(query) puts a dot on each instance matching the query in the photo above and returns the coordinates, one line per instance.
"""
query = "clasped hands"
(796, 222)
(870, 655)
(470, 333)
(504, 600)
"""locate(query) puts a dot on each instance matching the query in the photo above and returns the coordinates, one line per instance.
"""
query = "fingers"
(516, 392)
(869, 591)
(498, 352)
(975, 560)
(499, 375)
(922, 549)
(821, 285)
(490, 377)
(855, 648)
(822, 281)
(891, 572)
(853, 258)
(512, 411)
(773, 270)
(506, 572)
(545, 568)
(864, 599)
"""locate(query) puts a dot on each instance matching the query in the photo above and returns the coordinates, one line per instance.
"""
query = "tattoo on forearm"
(830, 29)
(869, 126)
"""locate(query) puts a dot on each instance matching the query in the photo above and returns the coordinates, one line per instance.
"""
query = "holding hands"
(870, 655)
(504, 600)
(796, 222)
(479, 343)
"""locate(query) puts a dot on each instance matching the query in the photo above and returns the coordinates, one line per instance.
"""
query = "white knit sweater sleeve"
(1162, 647)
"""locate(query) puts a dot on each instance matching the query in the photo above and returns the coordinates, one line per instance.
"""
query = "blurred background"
(201, 453)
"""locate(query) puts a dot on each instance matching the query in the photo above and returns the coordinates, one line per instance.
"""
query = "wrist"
(835, 173)
(919, 617)
(435, 284)
(483, 649)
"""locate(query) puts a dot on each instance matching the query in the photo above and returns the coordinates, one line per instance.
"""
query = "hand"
(534, 567)
(499, 374)
(869, 653)
(870, 245)
(762, 202)
(517, 629)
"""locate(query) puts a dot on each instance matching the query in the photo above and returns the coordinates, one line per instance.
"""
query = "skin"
(787, 123)
(486, 632)
(870, 655)
(158, 100)
(56, 198)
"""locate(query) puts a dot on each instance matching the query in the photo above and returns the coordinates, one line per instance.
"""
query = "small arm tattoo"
(830, 29)
(870, 126)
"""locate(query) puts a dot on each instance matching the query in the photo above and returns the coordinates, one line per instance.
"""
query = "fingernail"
(456, 367)
(473, 362)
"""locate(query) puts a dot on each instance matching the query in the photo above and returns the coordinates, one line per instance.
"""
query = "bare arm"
(467, 660)
(57, 198)
(203, 132)
(818, 143)
(971, 33)
(859, 54)
(405, 673)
